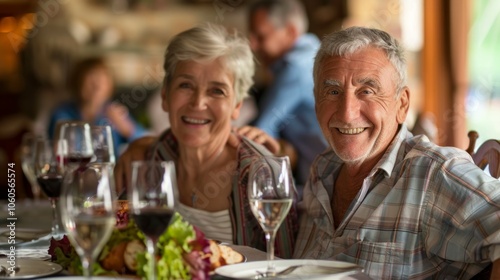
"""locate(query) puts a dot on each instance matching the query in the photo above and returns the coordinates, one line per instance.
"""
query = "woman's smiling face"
(201, 102)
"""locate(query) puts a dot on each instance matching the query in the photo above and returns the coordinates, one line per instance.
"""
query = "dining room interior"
(451, 51)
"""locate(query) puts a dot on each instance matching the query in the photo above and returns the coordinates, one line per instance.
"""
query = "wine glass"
(49, 172)
(152, 195)
(102, 143)
(76, 147)
(28, 145)
(88, 210)
(270, 193)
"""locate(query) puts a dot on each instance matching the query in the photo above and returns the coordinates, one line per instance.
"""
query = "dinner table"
(29, 223)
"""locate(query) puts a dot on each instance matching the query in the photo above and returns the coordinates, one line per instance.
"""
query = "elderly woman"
(208, 72)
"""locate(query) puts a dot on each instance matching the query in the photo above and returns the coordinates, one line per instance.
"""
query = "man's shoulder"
(415, 147)
(303, 52)
(419, 146)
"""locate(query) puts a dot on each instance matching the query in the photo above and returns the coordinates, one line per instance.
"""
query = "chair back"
(488, 154)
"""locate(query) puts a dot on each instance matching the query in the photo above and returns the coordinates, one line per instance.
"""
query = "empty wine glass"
(152, 196)
(28, 145)
(102, 143)
(270, 193)
(76, 147)
(88, 210)
(49, 172)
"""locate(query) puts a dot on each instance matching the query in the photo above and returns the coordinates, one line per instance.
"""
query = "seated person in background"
(208, 72)
(395, 203)
(92, 85)
(286, 108)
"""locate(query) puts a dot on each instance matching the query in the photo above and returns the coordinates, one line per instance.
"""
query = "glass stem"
(270, 237)
(55, 216)
(151, 245)
(87, 267)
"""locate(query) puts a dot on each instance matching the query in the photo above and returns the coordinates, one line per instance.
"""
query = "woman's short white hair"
(350, 40)
(208, 42)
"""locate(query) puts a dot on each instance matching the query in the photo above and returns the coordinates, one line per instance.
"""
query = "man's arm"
(276, 109)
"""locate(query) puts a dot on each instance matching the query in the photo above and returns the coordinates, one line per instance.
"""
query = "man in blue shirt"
(286, 109)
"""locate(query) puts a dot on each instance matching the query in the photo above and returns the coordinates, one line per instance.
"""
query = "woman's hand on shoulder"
(136, 150)
(259, 136)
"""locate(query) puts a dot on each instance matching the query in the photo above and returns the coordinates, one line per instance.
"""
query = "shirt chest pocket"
(381, 260)
(377, 252)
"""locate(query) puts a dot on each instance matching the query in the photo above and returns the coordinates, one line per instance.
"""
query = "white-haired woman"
(208, 72)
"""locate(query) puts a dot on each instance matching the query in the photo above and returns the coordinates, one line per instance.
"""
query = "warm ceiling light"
(7, 24)
(27, 21)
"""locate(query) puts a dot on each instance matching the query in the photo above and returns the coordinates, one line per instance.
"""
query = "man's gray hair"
(281, 12)
(208, 42)
(350, 40)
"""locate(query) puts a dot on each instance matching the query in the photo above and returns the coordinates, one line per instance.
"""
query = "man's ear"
(164, 99)
(236, 111)
(403, 105)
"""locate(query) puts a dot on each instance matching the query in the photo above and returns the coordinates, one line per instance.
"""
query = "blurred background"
(452, 51)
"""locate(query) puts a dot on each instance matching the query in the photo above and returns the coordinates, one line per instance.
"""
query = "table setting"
(84, 229)
(37, 249)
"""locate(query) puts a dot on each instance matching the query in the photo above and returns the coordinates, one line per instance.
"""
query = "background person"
(92, 85)
(395, 203)
(286, 108)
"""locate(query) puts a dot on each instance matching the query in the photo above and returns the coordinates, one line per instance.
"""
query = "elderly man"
(395, 203)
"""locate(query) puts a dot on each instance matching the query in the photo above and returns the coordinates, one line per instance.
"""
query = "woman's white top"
(215, 225)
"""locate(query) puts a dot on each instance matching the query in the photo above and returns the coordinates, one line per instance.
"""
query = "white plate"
(93, 278)
(31, 268)
(248, 270)
(22, 235)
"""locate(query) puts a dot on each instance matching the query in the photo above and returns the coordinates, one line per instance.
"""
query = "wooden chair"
(488, 154)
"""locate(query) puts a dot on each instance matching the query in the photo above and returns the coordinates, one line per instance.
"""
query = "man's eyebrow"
(330, 82)
(369, 82)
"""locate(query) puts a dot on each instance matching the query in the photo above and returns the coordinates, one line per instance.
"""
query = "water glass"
(270, 192)
(88, 210)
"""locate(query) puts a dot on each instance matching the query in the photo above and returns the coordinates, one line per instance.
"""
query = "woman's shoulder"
(251, 148)
(164, 147)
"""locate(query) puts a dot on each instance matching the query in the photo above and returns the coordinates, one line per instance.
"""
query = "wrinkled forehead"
(366, 59)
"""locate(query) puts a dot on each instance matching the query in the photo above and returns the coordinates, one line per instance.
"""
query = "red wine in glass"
(77, 159)
(51, 185)
(153, 221)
